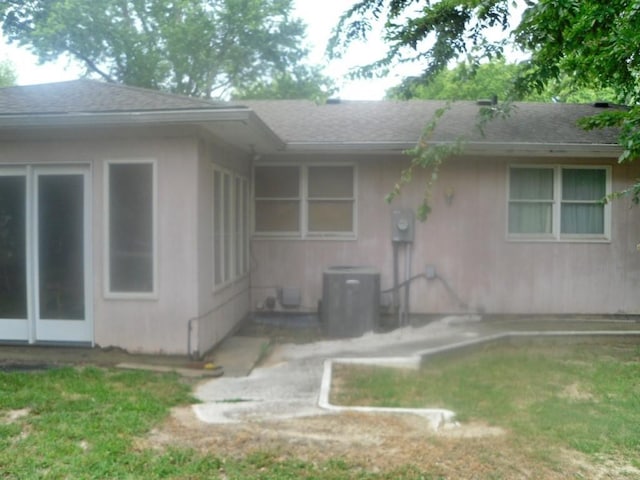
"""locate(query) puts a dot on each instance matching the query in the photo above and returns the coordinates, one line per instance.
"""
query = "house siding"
(221, 309)
(466, 242)
(157, 324)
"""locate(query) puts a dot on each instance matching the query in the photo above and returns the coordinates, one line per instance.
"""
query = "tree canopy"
(497, 77)
(8, 75)
(594, 43)
(205, 48)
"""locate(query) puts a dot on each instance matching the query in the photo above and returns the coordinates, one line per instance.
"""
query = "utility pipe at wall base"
(435, 276)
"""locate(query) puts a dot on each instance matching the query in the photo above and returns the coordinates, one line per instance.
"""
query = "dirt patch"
(10, 367)
(377, 443)
(576, 392)
(13, 416)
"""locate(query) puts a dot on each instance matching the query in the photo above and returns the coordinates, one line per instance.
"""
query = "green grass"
(583, 397)
(83, 423)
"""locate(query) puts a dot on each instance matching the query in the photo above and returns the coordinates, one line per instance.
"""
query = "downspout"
(396, 281)
(407, 288)
(194, 355)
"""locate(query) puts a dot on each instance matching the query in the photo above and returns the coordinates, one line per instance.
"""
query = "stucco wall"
(466, 242)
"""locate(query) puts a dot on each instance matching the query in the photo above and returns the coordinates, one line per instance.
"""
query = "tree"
(496, 77)
(8, 75)
(301, 83)
(594, 43)
(206, 48)
(462, 83)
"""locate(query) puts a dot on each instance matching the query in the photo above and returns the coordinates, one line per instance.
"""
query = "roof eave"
(470, 148)
(254, 134)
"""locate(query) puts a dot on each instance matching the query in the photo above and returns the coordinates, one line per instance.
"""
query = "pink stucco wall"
(466, 242)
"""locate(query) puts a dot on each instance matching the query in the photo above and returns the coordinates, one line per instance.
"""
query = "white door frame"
(35, 329)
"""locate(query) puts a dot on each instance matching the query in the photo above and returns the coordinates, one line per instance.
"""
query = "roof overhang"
(238, 126)
(469, 148)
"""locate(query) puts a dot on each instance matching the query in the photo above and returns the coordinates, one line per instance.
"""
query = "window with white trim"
(130, 227)
(305, 201)
(559, 202)
(230, 226)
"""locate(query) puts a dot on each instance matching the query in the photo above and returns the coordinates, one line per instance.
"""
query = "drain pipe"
(407, 288)
(195, 354)
(396, 279)
(192, 355)
(429, 274)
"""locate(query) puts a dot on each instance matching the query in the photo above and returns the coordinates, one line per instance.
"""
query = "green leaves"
(207, 48)
(433, 34)
(7, 74)
(578, 49)
(430, 157)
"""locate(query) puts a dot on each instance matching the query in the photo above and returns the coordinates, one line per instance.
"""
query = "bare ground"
(378, 443)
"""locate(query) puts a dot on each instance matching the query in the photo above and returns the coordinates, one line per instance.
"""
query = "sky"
(320, 17)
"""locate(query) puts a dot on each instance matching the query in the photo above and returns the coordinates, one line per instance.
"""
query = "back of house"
(157, 223)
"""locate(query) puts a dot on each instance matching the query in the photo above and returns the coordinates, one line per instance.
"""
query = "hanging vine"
(430, 156)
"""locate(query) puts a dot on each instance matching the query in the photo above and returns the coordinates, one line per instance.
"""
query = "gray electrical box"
(402, 225)
(350, 300)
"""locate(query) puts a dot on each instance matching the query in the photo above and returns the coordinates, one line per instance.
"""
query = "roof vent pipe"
(488, 102)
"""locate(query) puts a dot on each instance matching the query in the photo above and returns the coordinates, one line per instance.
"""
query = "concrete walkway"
(288, 384)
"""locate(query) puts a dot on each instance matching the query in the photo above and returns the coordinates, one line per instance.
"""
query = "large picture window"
(230, 226)
(558, 202)
(130, 238)
(305, 201)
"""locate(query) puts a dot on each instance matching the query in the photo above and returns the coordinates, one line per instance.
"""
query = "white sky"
(320, 17)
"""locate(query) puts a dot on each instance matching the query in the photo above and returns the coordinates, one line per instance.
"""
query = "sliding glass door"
(44, 256)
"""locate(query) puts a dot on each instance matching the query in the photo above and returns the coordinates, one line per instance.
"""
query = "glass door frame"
(34, 329)
(21, 329)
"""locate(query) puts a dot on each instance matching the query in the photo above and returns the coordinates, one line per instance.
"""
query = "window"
(130, 237)
(277, 199)
(558, 202)
(230, 227)
(306, 201)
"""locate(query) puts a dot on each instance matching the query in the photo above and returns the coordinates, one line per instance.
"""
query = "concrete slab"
(238, 355)
(288, 383)
(199, 372)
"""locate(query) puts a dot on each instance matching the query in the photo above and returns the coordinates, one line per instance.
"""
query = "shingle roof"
(90, 96)
(299, 122)
(403, 121)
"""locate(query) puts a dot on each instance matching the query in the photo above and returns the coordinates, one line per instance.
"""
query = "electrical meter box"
(402, 225)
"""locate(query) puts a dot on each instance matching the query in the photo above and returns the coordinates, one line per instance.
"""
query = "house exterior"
(157, 223)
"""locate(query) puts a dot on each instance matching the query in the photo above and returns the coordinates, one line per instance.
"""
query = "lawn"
(84, 423)
(92, 423)
(580, 397)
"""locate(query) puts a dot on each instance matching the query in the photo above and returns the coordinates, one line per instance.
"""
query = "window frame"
(557, 201)
(235, 243)
(109, 293)
(304, 199)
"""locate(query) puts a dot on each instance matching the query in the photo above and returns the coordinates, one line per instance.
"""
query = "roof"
(304, 126)
(91, 96)
(402, 122)
(83, 104)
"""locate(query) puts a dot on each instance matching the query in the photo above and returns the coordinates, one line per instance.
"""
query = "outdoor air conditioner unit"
(350, 300)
